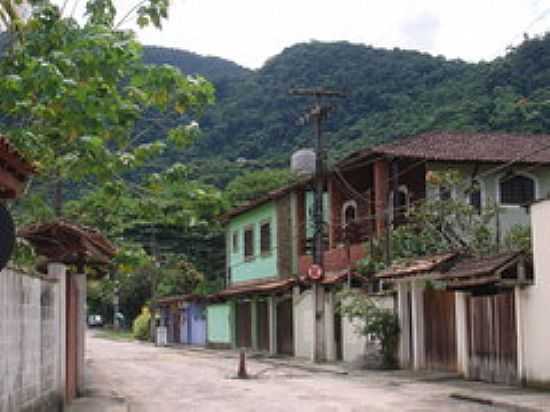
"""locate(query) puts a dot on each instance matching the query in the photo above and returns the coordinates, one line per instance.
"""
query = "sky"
(249, 32)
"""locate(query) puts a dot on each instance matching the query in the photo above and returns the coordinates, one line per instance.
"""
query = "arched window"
(516, 190)
(349, 212)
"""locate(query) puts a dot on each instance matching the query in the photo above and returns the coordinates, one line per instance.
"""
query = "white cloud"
(250, 31)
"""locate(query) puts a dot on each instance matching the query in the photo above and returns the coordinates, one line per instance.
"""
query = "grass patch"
(118, 335)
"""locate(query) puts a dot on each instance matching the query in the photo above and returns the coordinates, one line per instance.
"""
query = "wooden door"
(285, 334)
(262, 325)
(492, 338)
(440, 330)
(243, 325)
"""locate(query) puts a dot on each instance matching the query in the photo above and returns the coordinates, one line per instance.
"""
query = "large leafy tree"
(73, 92)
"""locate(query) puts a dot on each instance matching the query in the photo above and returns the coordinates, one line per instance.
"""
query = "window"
(349, 212)
(516, 190)
(474, 196)
(249, 243)
(235, 241)
(445, 193)
(265, 238)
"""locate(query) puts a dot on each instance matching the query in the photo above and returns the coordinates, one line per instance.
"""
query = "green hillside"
(392, 93)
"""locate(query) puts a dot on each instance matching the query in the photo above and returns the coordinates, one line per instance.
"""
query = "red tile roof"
(479, 266)
(190, 297)
(463, 147)
(254, 287)
(273, 195)
(14, 171)
(69, 243)
(417, 266)
(455, 269)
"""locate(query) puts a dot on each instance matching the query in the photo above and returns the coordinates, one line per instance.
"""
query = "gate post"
(461, 312)
(254, 323)
(417, 306)
(272, 313)
(519, 335)
(80, 281)
(58, 271)
(404, 315)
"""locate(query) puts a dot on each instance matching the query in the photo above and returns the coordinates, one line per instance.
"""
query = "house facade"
(184, 317)
(268, 303)
(260, 262)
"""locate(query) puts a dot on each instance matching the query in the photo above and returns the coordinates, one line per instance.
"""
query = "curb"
(491, 402)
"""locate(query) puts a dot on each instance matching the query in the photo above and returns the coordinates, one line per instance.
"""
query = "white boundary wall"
(32, 341)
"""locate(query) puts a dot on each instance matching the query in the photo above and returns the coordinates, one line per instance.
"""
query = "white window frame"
(405, 190)
(347, 204)
(525, 174)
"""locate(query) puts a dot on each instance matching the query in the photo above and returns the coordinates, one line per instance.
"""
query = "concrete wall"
(533, 322)
(219, 324)
(31, 343)
(355, 346)
(303, 315)
(261, 265)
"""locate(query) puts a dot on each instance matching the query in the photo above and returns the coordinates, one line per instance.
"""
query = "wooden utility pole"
(318, 114)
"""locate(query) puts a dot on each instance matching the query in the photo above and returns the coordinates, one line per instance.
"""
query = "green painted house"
(255, 309)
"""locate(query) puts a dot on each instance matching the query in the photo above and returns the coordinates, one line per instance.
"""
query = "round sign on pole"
(315, 272)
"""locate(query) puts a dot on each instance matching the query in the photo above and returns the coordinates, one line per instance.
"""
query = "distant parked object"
(95, 320)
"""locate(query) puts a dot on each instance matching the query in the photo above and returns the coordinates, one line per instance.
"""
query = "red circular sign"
(315, 272)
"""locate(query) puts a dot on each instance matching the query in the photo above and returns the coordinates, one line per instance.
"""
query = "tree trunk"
(58, 196)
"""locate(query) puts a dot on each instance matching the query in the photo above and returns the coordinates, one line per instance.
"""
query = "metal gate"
(285, 335)
(492, 339)
(440, 330)
(263, 325)
(243, 325)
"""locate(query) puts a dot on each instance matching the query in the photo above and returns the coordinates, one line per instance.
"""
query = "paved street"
(168, 380)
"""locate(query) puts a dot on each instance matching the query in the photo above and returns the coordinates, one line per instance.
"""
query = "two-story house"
(260, 265)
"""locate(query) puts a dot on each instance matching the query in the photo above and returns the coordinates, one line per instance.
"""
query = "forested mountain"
(392, 93)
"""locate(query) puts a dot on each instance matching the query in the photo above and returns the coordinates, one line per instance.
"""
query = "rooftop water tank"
(302, 162)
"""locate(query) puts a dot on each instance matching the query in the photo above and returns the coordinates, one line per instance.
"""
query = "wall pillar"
(233, 323)
(58, 271)
(330, 339)
(519, 335)
(272, 313)
(417, 306)
(254, 321)
(381, 170)
(461, 313)
(404, 314)
(80, 280)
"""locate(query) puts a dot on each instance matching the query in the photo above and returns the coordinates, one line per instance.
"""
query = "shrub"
(381, 323)
(140, 327)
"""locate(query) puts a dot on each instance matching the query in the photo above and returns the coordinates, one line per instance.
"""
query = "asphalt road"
(155, 379)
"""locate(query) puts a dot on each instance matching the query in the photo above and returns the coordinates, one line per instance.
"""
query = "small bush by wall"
(141, 325)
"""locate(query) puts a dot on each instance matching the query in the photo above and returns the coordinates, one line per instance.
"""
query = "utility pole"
(318, 113)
